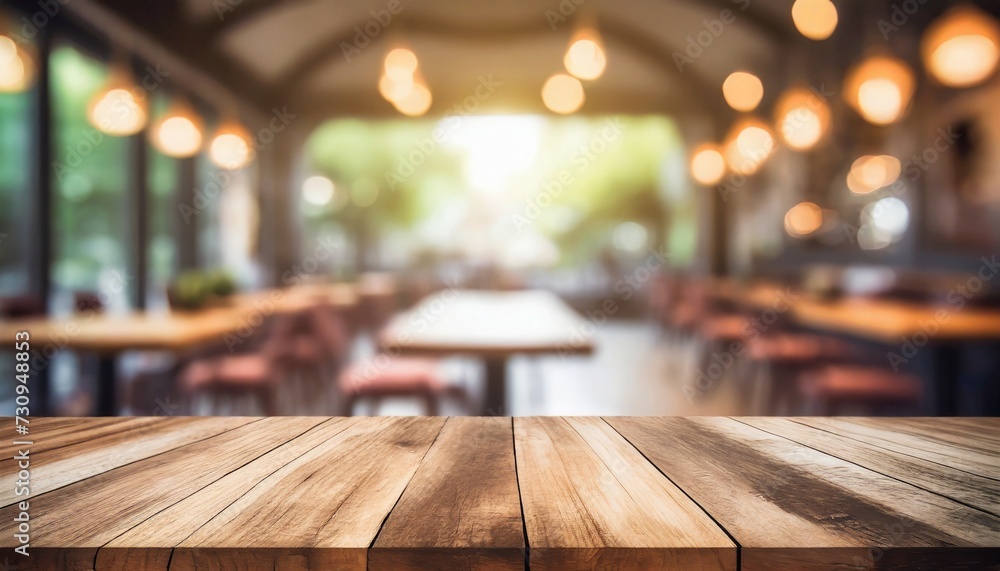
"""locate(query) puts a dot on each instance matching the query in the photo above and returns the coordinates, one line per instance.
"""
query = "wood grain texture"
(109, 449)
(971, 489)
(148, 545)
(482, 493)
(462, 509)
(792, 507)
(489, 325)
(323, 509)
(71, 523)
(969, 455)
(591, 501)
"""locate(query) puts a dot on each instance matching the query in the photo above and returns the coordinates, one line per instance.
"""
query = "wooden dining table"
(903, 327)
(490, 325)
(109, 335)
(618, 493)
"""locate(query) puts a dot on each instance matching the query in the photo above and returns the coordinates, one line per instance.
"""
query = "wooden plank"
(968, 456)
(970, 489)
(71, 523)
(320, 511)
(792, 507)
(981, 434)
(49, 433)
(127, 442)
(592, 501)
(148, 545)
(462, 509)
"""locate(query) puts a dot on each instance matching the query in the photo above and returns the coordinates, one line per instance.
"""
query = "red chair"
(837, 389)
(385, 376)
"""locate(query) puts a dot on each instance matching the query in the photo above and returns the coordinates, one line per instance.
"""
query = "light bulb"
(563, 93)
(879, 89)
(748, 146)
(400, 63)
(416, 102)
(815, 19)
(962, 48)
(585, 57)
(231, 148)
(708, 166)
(743, 91)
(117, 112)
(802, 118)
(803, 219)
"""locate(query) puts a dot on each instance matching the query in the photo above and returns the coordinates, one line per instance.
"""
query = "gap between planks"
(869, 468)
(97, 553)
(206, 522)
(739, 548)
(881, 447)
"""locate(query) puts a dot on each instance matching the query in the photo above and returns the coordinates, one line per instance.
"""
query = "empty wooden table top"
(173, 330)
(500, 493)
(882, 320)
(489, 324)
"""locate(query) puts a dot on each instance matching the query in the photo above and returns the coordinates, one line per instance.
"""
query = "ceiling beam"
(702, 93)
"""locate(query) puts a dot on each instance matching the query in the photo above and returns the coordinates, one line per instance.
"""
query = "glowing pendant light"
(563, 94)
(402, 85)
(231, 147)
(119, 108)
(748, 146)
(962, 48)
(585, 58)
(802, 118)
(708, 166)
(743, 91)
(16, 68)
(416, 101)
(815, 19)
(179, 132)
(803, 219)
(879, 89)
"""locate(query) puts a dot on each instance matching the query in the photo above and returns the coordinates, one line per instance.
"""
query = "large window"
(163, 178)
(89, 182)
(228, 219)
(15, 219)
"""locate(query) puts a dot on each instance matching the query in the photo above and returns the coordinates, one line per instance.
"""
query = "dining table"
(545, 493)
(108, 335)
(493, 326)
(903, 328)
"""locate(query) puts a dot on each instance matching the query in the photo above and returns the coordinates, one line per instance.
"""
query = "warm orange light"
(179, 132)
(585, 57)
(802, 118)
(117, 112)
(748, 146)
(879, 89)
(803, 219)
(231, 147)
(400, 63)
(708, 166)
(395, 89)
(16, 67)
(870, 173)
(743, 91)
(563, 93)
(416, 102)
(815, 19)
(962, 48)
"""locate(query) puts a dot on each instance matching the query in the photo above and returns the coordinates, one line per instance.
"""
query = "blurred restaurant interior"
(568, 207)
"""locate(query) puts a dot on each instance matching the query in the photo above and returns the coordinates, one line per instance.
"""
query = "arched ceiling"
(290, 52)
